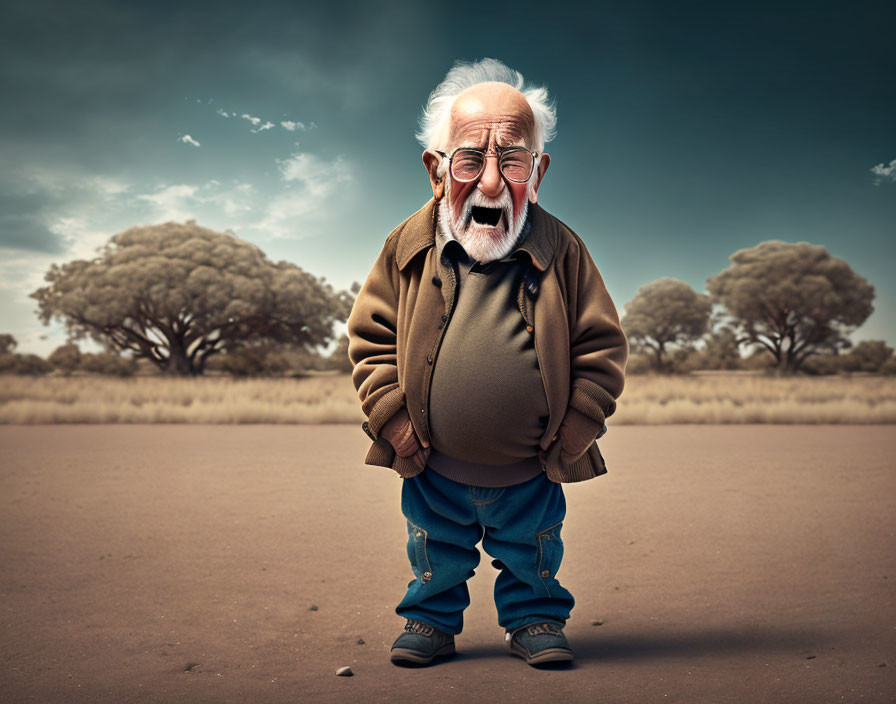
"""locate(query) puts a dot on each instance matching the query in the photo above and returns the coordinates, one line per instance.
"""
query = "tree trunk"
(179, 364)
(660, 365)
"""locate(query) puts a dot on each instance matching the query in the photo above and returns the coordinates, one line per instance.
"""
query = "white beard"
(479, 241)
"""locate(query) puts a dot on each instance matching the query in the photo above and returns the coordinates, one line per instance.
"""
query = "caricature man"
(487, 355)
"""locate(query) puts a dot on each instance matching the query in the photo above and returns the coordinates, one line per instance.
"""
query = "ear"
(431, 161)
(543, 164)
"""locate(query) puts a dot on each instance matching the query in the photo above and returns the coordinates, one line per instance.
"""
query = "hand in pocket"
(577, 432)
(399, 431)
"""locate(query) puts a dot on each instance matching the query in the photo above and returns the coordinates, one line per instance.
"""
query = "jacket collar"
(419, 233)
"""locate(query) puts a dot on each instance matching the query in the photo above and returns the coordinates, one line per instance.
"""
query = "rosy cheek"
(518, 196)
(459, 193)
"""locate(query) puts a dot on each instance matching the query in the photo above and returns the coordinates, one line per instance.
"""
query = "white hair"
(434, 119)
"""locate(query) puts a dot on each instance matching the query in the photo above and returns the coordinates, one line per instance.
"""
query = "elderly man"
(487, 354)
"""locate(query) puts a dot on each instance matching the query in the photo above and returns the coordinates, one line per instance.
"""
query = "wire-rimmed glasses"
(467, 163)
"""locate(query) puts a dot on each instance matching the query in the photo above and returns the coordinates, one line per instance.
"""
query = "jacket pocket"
(550, 553)
(420, 559)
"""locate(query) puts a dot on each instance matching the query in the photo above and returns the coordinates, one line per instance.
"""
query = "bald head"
(490, 114)
(501, 88)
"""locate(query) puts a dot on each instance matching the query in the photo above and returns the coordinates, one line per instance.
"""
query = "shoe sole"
(414, 656)
(547, 655)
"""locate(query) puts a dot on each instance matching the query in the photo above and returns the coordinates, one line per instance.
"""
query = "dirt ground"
(187, 563)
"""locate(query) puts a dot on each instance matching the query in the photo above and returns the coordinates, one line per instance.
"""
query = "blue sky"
(686, 130)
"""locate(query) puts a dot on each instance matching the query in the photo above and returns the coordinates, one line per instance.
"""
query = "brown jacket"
(401, 312)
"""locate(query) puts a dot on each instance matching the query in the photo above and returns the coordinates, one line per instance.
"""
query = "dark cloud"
(22, 225)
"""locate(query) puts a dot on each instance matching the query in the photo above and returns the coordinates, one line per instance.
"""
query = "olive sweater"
(487, 407)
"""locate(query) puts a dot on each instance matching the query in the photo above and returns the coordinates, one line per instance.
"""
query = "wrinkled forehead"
(490, 114)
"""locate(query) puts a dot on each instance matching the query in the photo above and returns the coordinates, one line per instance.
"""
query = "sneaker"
(539, 643)
(421, 643)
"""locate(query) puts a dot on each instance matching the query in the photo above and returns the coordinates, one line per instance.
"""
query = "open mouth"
(487, 216)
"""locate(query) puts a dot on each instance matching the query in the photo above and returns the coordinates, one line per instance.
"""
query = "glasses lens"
(516, 165)
(466, 164)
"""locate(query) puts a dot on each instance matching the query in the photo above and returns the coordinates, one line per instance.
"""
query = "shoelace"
(418, 627)
(544, 629)
(536, 629)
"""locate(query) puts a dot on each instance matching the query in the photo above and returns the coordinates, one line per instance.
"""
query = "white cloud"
(311, 183)
(83, 241)
(233, 202)
(314, 182)
(23, 272)
(884, 173)
(184, 202)
(172, 202)
(20, 274)
(260, 125)
(187, 139)
(109, 187)
(257, 123)
(315, 174)
(59, 181)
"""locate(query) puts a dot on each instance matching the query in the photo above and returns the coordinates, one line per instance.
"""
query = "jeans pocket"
(550, 553)
(417, 536)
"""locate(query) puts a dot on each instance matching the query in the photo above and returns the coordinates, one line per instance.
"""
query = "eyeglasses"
(514, 163)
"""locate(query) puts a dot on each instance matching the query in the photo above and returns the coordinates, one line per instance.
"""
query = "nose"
(491, 183)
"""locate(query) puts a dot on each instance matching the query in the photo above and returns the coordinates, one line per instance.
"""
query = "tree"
(108, 364)
(266, 358)
(24, 364)
(867, 356)
(7, 343)
(66, 358)
(339, 359)
(793, 300)
(665, 312)
(13, 363)
(721, 350)
(178, 293)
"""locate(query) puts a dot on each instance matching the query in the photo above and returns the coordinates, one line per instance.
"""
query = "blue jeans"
(519, 526)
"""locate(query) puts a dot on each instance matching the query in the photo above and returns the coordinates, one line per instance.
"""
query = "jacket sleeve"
(598, 347)
(371, 329)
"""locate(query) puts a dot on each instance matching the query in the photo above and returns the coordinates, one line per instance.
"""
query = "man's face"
(487, 214)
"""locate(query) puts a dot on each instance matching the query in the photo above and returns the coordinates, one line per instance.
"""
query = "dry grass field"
(647, 400)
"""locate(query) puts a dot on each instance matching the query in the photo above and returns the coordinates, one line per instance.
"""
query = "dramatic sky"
(686, 130)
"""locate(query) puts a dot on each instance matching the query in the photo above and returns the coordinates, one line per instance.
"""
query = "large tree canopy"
(178, 293)
(794, 300)
(665, 312)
